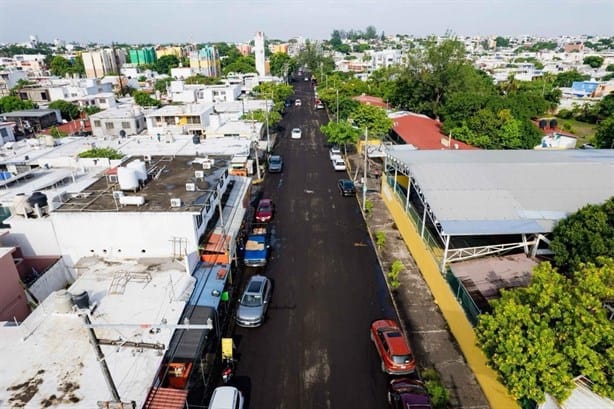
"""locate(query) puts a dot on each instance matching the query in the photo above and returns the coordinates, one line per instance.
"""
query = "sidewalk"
(430, 336)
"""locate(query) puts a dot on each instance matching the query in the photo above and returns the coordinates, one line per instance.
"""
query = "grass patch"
(584, 131)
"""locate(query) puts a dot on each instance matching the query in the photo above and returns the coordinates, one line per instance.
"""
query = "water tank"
(37, 198)
(21, 205)
(81, 300)
(140, 168)
(195, 139)
(62, 302)
(49, 141)
(127, 178)
(543, 123)
(553, 123)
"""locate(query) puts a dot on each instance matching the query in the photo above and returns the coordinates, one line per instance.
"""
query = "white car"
(338, 163)
(297, 103)
(226, 397)
(296, 133)
(334, 153)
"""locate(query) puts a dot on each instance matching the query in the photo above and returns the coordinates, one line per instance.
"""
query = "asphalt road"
(314, 351)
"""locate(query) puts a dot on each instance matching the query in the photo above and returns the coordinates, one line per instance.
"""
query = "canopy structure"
(484, 195)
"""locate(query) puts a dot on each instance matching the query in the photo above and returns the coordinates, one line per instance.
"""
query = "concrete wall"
(35, 237)
(13, 302)
(55, 278)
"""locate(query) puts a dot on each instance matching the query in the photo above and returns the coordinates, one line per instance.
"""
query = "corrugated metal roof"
(507, 192)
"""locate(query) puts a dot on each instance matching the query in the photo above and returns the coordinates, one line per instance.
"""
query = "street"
(313, 351)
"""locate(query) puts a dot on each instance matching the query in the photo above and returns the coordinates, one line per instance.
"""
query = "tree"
(373, 118)
(340, 133)
(565, 79)
(277, 92)
(91, 109)
(502, 42)
(281, 64)
(108, 153)
(60, 66)
(540, 337)
(583, 236)
(201, 79)
(261, 116)
(609, 68)
(12, 103)
(144, 99)
(241, 65)
(604, 137)
(164, 64)
(161, 85)
(594, 61)
(69, 111)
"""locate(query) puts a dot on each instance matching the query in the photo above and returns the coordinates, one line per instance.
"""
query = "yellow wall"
(461, 328)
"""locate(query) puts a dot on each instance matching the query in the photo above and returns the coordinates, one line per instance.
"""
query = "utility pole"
(364, 180)
(268, 137)
(337, 105)
(101, 360)
(255, 147)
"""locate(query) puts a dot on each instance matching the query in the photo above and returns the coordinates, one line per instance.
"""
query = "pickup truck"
(256, 248)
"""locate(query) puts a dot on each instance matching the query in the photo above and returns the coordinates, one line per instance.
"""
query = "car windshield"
(347, 184)
(251, 300)
(401, 359)
(264, 208)
(275, 160)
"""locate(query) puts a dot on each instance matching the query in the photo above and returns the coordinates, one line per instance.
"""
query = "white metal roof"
(50, 353)
(507, 191)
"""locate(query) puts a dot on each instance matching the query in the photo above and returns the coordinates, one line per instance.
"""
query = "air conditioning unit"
(176, 202)
(112, 178)
(190, 187)
(147, 158)
(117, 194)
(199, 174)
(207, 163)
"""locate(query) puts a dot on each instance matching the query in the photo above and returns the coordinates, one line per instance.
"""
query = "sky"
(200, 21)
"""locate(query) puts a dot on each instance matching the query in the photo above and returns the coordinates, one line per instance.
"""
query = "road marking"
(309, 192)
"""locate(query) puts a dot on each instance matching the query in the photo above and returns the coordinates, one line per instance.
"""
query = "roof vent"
(190, 187)
(176, 202)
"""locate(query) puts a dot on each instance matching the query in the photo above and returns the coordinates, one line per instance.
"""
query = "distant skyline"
(182, 21)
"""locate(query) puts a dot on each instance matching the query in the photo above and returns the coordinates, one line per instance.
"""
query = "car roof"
(275, 157)
(264, 202)
(346, 181)
(224, 395)
(255, 284)
(296, 129)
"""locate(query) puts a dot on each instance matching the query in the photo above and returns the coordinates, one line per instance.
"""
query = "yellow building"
(278, 48)
(171, 50)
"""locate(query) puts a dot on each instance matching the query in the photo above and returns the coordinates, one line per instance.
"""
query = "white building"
(84, 92)
(385, 59)
(6, 132)
(259, 53)
(179, 119)
(112, 121)
(9, 78)
(179, 91)
(99, 63)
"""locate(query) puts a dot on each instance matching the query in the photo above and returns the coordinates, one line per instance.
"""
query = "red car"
(392, 347)
(265, 210)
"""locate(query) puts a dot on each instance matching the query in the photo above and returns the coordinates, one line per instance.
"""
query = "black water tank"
(37, 198)
(553, 123)
(543, 124)
(195, 139)
(82, 300)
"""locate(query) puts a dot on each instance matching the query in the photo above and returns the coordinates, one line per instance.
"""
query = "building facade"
(259, 53)
(113, 121)
(142, 56)
(206, 61)
(103, 62)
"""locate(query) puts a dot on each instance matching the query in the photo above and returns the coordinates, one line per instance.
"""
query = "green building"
(141, 56)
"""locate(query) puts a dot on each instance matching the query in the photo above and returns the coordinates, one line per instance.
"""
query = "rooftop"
(174, 110)
(29, 113)
(481, 192)
(48, 360)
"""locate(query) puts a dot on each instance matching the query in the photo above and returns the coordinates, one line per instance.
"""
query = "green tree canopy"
(12, 103)
(604, 137)
(340, 133)
(68, 110)
(281, 64)
(145, 100)
(540, 337)
(202, 79)
(60, 66)
(160, 85)
(243, 64)
(565, 79)
(583, 236)
(164, 64)
(108, 153)
(594, 61)
(278, 92)
(261, 116)
(502, 42)
(373, 118)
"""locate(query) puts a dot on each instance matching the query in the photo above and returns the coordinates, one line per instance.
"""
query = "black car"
(346, 187)
(288, 103)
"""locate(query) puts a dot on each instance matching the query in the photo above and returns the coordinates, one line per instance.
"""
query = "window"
(97, 123)
(126, 125)
(3, 132)
(109, 125)
(43, 96)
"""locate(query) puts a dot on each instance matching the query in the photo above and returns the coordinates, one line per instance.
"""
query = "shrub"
(368, 207)
(438, 393)
(393, 274)
(565, 114)
(380, 239)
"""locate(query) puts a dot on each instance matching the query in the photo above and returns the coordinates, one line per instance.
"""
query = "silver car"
(254, 302)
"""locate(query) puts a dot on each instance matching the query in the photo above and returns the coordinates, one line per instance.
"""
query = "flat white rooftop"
(48, 360)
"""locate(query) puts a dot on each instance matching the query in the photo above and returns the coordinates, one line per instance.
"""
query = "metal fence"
(463, 297)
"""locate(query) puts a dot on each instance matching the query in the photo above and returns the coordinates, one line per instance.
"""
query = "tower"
(259, 51)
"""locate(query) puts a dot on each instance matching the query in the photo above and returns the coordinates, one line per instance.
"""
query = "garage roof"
(507, 191)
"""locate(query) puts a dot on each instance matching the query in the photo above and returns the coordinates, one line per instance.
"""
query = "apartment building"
(206, 61)
(142, 56)
(103, 62)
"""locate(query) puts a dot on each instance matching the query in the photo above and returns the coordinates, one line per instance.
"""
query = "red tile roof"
(425, 133)
(369, 100)
(72, 127)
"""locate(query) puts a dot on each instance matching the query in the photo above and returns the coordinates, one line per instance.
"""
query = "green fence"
(462, 296)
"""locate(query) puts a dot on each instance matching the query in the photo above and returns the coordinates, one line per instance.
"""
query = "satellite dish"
(122, 133)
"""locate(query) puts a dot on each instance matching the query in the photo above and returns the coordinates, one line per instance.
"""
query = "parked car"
(276, 164)
(346, 187)
(406, 393)
(226, 397)
(254, 302)
(392, 347)
(296, 133)
(297, 103)
(334, 152)
(265, 210)
(288, 103)
(319, 105)
(338, 164)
